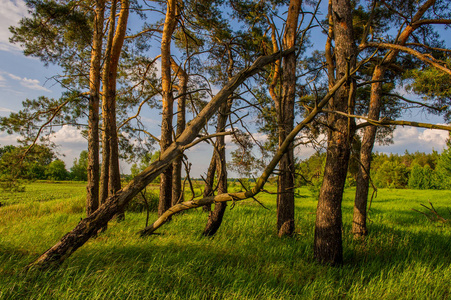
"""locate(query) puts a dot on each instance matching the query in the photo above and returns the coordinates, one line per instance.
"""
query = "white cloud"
(415, 139)
(32, 84)
(435, 137)
(10, 14)
(68, 134)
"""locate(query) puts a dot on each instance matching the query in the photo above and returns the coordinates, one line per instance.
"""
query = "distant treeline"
(410, 170)
(38, 163)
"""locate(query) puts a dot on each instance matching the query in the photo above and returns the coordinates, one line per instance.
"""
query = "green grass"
(405, 256)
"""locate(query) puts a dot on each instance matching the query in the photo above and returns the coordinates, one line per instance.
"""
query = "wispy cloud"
(10, 14)
(29, 83)
(2, 81)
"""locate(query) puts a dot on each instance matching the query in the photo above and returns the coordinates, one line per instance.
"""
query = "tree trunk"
(92, 196)
(328, 248)
(105, 168)
(114, 179)
(359, 226)
(209, 181)
(168, 102)
(177, 194)
(89, 226)
(285, 114)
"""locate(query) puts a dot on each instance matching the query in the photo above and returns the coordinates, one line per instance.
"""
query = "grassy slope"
(405, 256)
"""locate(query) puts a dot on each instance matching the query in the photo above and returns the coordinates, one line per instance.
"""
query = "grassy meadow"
(406, 256)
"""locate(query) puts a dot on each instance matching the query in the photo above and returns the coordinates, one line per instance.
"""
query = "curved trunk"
(215, 217)
(328, 246)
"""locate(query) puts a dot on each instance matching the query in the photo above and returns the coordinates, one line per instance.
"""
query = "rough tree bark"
(92, 196)
(89, 226)
(168, 103)
(285, 120)
(359, 225)
(328, 247)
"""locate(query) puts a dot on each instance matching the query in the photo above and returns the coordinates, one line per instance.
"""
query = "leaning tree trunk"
(92, 196)
(328, 246)
(285, 114)
(359, 226)
(168, 102)
(89, 226)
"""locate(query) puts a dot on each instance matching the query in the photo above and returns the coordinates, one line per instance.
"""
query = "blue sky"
(23, 77)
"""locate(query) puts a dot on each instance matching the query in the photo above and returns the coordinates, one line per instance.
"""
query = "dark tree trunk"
(209, 181)
(92, 196)
(165, 201)
(285, 114)
(105, 168)
(177, 194)
(328, 248)
(215, 217)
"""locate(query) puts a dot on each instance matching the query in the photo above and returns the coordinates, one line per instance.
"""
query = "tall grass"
(405, 256)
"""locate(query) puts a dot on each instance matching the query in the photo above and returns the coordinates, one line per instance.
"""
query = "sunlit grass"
(406, 256)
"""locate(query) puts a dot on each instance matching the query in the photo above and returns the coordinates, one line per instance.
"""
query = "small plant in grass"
(143, 201)
(432, 214)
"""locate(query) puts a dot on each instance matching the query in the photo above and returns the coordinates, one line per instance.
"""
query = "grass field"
(405, 257)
